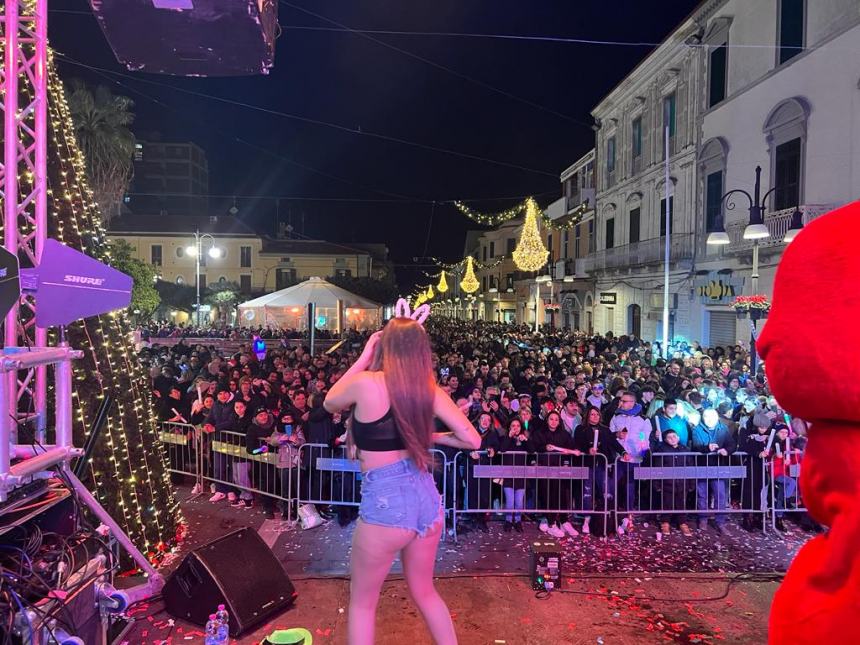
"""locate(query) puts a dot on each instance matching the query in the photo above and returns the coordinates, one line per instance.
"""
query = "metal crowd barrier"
(785, 494)
(683, 486)
(514, 483)
(690, 485)
(182, 444)
(329, 477)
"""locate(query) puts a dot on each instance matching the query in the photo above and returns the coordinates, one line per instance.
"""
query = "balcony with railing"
(639, 254)
(581, 196)
(778, 223)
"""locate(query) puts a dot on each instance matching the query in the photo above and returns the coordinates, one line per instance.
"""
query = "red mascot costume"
(811, 350)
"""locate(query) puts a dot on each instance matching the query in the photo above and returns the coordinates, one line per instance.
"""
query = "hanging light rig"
(530, 253)
(469, 283)
(442, 287)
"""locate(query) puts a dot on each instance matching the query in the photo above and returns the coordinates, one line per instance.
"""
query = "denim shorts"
(400, 495)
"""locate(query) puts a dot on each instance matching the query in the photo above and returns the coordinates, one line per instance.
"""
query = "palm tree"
(101, 121)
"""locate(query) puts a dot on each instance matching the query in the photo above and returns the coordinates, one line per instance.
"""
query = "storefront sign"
(717, 289)
(608, 298)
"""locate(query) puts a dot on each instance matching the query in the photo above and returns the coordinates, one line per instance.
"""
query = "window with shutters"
(610, 162)
(492, 250)
(634, 226)
(714, 201)
(785, 132)
(636, 145)
(717, 74)
(663, 215)
(669, 119)
(610, 232)
(512, 244)
(155, 255)
(245, 257)
(787, 177)
(792, 28)
(245, 283)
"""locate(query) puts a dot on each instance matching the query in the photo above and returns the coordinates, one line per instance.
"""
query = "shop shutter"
(723, 328)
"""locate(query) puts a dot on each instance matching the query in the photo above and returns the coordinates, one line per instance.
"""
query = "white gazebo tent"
(335, 308)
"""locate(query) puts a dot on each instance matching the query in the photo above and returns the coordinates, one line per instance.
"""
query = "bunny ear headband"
(401, 310)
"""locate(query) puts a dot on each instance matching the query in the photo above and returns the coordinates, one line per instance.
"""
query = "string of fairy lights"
(530, 253)
(130, 472)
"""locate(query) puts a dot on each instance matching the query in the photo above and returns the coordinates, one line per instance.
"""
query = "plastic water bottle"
(211, 637)
(223, 629)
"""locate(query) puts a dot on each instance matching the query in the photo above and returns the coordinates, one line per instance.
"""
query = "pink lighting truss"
(24, 184)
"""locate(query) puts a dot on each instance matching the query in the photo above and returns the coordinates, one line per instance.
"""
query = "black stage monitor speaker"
(238, 571)
(191, 37)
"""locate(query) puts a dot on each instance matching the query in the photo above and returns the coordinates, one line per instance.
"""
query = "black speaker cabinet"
(237, 570)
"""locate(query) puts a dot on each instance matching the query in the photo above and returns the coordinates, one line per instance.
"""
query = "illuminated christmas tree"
(128, 469)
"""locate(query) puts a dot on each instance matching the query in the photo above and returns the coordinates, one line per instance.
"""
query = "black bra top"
(377, 436)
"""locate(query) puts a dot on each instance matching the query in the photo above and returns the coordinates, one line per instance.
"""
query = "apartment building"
(255, 263)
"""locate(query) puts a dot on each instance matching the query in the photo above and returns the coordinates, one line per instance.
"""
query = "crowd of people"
(154, 331)
(527, 392)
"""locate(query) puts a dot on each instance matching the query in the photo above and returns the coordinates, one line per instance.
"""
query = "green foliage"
(176, 296)
(144, 296)
(225, 296)
(101, 121)
(381, 291)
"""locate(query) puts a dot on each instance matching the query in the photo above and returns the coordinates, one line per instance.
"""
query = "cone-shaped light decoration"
(469, 283)
(530, 254)
(442, 287)
(430, 293)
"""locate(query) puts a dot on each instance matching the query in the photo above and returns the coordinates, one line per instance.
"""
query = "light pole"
(756, 230)
(196, 251)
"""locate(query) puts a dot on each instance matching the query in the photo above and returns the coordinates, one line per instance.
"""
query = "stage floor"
(631, 588)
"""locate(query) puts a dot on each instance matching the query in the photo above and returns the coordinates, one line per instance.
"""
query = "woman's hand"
(366, 359)
(592, 451)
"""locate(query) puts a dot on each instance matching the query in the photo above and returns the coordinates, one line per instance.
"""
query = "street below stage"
(632, 589)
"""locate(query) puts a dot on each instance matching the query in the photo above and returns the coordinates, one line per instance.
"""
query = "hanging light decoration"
(442, 287)
(530, 254)
(430, 293)
(469, 283)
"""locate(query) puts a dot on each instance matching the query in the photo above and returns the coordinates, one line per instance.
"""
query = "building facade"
(255, 263)
(792, 109)
(654, 107)
(170, 178)
(738, 85)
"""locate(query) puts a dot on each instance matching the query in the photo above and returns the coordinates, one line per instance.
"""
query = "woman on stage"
(395, 400)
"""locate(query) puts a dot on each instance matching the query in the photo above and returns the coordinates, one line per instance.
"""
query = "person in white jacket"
(633, 432)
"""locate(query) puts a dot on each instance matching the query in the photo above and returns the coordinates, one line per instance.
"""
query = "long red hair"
(403, 354)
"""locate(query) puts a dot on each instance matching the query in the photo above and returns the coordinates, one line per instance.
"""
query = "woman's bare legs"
(373, 551)
(419, 558)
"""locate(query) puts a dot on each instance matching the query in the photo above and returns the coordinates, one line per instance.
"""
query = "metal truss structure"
(24, 185)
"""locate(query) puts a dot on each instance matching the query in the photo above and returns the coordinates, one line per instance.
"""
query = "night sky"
(347, 79)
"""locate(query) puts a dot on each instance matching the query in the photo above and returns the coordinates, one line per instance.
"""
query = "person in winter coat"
(220, 418)
(755, 443)
(240, 466)
(785, 485)
(554, 441)
(633, 432)
(671, 494)
(517, 439)
(668, 418)
(596, 440)
(713, 439)
(479, 490)
(279, 477)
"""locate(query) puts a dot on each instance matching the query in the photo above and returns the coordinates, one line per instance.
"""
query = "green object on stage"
(295, 636)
